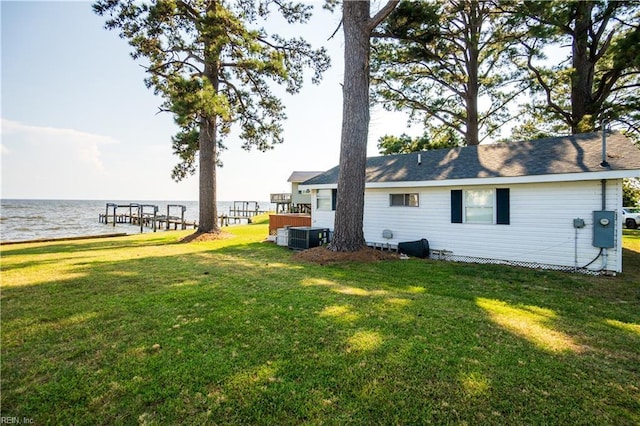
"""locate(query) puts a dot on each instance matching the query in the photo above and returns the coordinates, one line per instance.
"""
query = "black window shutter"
(502, 204)
(456, 206)
(334, 195)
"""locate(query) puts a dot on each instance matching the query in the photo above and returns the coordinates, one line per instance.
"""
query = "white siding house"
(526, 203)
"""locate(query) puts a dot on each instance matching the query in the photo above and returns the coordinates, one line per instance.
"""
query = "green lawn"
(146, 330)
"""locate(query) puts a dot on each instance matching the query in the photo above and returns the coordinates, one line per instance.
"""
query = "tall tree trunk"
(472, 132)
(357, 25)
(208, 160)
(473, 81)
(348, 233)
(583, 69)
(208, 216)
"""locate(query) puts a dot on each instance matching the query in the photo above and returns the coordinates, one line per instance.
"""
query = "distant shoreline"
(49, 240)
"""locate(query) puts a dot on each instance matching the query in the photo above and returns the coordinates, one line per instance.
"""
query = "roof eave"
(563, 177)
(318, 186)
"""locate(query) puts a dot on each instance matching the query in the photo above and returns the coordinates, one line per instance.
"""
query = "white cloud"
(40, 161)
(82, 147)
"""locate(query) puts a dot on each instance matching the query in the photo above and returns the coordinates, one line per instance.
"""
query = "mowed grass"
(147, 330)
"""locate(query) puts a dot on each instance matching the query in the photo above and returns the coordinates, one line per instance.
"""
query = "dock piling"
(146, 215)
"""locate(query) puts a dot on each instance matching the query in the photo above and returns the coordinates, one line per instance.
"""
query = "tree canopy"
(447, 64)
(467, 64)
(444, 137)
(599, 78)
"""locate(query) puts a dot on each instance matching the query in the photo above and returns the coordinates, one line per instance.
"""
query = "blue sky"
(79, 123)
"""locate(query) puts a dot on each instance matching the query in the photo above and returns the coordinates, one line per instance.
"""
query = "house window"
(406, 200)
(480, 206)
(326, 199)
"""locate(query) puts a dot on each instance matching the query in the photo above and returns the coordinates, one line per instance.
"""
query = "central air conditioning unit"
(305, 237)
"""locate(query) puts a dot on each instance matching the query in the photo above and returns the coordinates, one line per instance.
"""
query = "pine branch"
(548, 91)
(381, 15)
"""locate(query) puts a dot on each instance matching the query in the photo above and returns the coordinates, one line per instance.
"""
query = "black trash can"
(418, 248)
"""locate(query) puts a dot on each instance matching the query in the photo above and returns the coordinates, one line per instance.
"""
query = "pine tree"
(447, 64)
(600, 76)
(213, 65)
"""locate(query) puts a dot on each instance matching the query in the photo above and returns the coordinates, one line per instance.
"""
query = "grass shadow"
(238, 332)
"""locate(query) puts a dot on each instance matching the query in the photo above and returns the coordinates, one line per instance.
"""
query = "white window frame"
(406, 200)
(488, 208)
(324, 200)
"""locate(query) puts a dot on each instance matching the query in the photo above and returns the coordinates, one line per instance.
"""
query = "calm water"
(23, 220)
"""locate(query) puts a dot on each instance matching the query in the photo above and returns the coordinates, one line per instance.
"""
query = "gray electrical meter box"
(604, 229)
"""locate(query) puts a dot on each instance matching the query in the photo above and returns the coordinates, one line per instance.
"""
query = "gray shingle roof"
(298, 176)
(558, 155)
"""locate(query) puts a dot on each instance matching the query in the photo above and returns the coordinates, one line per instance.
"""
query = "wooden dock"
(147, 216)
(242, 210)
